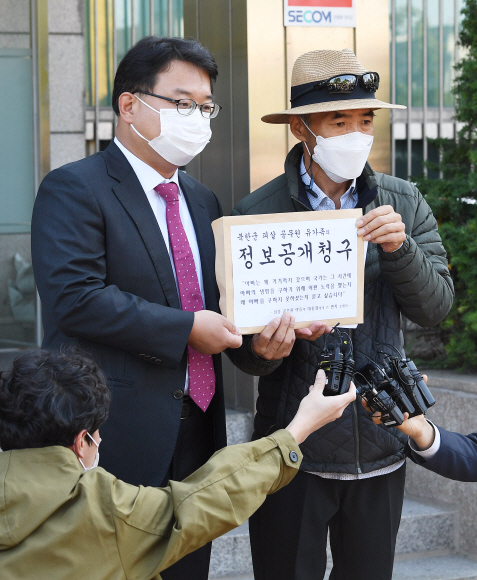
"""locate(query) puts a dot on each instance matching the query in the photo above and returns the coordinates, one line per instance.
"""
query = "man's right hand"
(417, 428)
(316, 410)
(212, 333)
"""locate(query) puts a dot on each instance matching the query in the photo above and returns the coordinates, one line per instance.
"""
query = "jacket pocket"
(119, 384)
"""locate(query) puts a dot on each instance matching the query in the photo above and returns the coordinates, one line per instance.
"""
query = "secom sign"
(319, 13)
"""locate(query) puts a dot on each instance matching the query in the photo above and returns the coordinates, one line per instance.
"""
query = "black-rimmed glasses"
(188, 106)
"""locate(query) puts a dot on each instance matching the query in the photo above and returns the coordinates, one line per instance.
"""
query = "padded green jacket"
(413, 280)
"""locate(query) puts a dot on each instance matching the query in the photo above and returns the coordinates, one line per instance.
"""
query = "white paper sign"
(320, 13)
(307, 268)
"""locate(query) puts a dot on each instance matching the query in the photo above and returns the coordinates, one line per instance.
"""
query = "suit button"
(142, 355)
(158, 361)
(178, 394)
(294, 456)
(153, 359)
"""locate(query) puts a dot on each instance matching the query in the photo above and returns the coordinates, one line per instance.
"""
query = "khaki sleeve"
(156, 527)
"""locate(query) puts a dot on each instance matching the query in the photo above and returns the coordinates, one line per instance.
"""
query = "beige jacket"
(57, 522)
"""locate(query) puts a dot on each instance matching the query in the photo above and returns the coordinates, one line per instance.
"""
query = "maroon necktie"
(201, 366)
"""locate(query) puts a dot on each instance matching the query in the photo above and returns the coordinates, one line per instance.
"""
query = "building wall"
(67, 80)
(15, 24)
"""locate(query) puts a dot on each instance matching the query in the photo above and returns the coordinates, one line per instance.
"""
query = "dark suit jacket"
(456, 457)
(106, 283)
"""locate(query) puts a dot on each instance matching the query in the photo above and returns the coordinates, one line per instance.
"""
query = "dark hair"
(48, 398)
(142, 63)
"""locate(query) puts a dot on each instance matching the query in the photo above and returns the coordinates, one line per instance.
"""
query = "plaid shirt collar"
(321, 201)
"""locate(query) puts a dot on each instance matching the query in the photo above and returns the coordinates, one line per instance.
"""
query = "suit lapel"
(205, 239)
(132, 197)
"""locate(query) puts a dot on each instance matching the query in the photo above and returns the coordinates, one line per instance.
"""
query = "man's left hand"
(383, 226)
(276, 339)
(312, 332)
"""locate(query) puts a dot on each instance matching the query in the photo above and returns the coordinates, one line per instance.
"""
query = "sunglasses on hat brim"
(343, 84)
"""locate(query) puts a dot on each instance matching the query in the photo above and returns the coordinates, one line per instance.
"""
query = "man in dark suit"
(449, 454)
(123, 256)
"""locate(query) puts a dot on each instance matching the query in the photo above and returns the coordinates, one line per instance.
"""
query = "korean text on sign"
(306, 268)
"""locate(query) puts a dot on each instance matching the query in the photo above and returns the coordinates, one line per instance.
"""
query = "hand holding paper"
(212, 333)
(277, 339)
(314, 331)
(383, 226)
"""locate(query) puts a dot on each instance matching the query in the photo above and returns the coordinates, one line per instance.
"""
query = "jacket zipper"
(355, 409)
(356, 436)
(355, 423)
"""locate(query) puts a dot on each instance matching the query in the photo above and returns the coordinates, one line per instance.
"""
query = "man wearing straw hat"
(351, 481)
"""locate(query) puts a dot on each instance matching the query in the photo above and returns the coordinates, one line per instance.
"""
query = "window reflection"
(417, 73)
(17, 188)
(432, 53)
(122, 23)
(430, 28)
(400, 73)
(448, 50)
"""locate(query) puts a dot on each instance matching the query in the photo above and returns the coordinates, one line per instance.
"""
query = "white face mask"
(343, 157)
(96, 459)
(182, 136)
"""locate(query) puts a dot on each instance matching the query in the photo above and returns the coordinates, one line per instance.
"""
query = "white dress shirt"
(149, 178)
(433, 449)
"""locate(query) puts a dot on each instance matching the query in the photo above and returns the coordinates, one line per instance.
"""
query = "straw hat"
(320, 65)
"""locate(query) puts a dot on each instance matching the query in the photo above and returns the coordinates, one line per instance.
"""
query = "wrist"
(252, 350)
(388, 255)
(425, 438)
(297, 431)
(390, 248)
